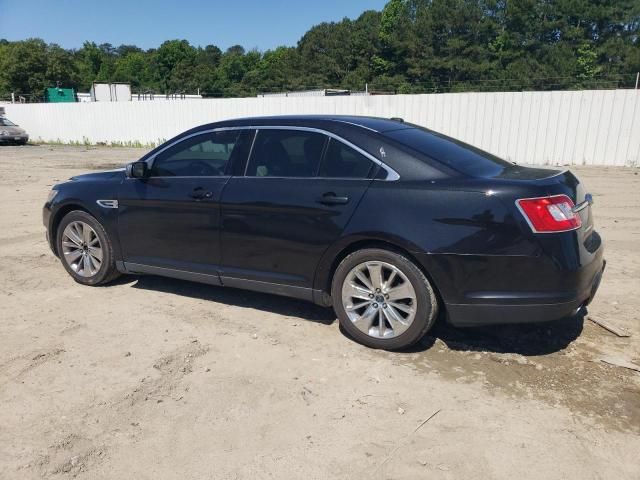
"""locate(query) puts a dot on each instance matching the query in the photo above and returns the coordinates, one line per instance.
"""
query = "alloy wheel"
(379, 299)
(81, 249)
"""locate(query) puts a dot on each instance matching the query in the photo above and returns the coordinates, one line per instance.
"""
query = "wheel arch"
(326, 272)
(62, 212)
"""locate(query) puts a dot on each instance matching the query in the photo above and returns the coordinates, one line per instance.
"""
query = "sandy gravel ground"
(151, 378)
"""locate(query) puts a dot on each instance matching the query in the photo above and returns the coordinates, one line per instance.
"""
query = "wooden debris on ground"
(620, 332)
(620, 362)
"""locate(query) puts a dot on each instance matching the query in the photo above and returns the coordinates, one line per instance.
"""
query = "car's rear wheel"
(85, 249)
(382, 299)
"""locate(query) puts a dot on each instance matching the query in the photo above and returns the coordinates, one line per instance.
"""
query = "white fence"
(592, 127)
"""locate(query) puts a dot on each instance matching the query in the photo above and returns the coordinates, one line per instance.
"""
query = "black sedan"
(388, 222)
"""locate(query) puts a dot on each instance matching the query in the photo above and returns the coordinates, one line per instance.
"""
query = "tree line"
(411, 46)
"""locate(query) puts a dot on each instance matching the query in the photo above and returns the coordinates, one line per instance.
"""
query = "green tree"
(23, 67)
(89, 61)
(133, 67)
(60, 67)
(409, 46)
(174, 62)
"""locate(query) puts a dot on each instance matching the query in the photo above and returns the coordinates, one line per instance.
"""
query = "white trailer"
(110, 92)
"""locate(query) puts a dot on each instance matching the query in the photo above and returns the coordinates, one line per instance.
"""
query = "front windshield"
(5, 122)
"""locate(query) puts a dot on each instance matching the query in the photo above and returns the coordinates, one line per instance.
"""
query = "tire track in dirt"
(82, 444)
(16, 368)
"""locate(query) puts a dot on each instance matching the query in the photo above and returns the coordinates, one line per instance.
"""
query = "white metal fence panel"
(592, 127)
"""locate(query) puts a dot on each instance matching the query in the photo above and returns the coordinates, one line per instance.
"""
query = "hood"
(116, 174)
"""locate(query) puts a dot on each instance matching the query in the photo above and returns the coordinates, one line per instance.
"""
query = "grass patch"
(85, 142)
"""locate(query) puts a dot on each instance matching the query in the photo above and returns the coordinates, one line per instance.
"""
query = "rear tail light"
(550, 214)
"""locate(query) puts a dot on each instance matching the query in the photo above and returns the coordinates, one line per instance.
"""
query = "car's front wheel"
(85, 249)
(382, 299)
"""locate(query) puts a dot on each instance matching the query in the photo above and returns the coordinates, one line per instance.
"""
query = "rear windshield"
(453, 153)
(5, 122)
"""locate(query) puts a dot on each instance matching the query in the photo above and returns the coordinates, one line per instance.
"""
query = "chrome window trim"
(253, 143)
(356, 125)
(392, 175)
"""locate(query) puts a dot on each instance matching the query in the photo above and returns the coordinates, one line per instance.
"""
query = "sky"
(146, 23)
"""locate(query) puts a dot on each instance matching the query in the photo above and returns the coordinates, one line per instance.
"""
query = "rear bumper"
(518, 308)
(512, 290)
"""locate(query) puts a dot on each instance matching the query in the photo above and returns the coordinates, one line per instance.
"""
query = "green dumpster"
(59, 95)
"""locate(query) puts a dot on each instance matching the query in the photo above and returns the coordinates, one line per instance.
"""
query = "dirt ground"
(152, 378)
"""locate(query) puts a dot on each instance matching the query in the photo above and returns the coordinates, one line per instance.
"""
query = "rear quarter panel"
(472, 241)
(456, 234)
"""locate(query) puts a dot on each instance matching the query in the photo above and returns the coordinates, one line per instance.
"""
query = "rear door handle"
(200, 193)
(331, 198)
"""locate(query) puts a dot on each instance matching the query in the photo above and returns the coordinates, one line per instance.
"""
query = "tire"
(85, 249)
(407, 312)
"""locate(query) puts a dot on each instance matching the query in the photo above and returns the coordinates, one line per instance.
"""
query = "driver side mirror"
(138, 170)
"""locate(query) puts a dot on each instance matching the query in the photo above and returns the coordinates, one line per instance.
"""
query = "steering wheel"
(203, 169)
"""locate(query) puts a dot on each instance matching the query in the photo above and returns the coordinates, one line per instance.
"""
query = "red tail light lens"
(550, 214)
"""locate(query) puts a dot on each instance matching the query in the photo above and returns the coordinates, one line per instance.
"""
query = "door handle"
(200, 193)
(331, 198)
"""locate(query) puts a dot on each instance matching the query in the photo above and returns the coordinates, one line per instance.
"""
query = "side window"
(342, 161)
(205, 155)
(286, 153)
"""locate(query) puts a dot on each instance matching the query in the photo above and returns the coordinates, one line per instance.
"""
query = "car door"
(171, 220)
(299, 190)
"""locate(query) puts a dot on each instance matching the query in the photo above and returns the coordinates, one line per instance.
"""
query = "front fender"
(84, 196)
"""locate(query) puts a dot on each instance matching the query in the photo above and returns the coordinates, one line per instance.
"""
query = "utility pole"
(637, 78)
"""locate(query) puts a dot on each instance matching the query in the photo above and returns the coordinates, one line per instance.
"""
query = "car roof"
(368, 133)
(374, 124)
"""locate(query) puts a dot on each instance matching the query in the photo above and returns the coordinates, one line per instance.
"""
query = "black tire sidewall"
(426, 310)
(108, 265)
